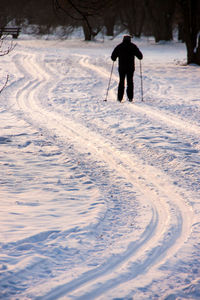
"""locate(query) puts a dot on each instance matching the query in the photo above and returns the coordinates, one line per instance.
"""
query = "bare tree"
(161, 15)
(109, 19)
(86, 13)
(190, 10)
(132, 15)
(4, 50)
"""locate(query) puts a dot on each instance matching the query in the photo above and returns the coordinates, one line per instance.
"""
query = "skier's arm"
(138, 53)
(114, 54)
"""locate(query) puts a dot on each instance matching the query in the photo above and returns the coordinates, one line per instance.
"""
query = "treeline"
(156, 18)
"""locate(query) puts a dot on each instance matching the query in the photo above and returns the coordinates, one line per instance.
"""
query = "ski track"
(154, 114)
(171, 217)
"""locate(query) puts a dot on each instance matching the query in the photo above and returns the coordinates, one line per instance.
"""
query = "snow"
(99, 200)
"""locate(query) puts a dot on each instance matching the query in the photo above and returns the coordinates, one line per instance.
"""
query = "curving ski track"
(170, 217)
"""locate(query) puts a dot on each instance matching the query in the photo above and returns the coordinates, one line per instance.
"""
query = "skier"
(126, 52)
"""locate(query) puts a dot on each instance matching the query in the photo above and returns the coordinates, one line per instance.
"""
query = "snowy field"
(98, 200)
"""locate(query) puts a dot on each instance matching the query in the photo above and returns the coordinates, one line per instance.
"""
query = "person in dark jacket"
(126, 52)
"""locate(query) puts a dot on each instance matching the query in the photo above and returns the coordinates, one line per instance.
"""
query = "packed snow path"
(98, 199)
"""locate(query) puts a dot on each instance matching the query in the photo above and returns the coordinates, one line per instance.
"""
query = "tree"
(4, 51)
(132, 15)
(87, 13)
(109, 17)
(161, 15)
(190, 10)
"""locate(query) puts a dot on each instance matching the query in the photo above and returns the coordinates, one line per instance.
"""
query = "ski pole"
(109, 81)
(141, 81)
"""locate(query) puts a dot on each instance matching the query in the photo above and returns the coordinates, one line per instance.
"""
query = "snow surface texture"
(99, 200)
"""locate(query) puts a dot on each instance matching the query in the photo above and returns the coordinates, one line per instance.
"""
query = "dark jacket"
(126, 52)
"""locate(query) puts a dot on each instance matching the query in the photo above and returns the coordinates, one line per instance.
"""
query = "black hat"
(127, 38)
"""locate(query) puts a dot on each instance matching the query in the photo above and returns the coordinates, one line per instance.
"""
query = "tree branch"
(1, 90)
(9, 49)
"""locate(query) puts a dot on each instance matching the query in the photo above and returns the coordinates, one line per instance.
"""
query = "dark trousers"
(128, 74)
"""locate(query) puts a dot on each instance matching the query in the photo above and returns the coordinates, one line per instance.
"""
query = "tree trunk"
(198, 52)
(87, 32)
(191, 11)
(181, 35)
(109, 22)
(161, 16)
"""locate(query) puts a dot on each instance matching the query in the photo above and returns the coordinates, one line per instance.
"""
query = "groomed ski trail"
(172, 217)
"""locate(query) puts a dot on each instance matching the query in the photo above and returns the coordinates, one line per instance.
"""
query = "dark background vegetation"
(157, 18)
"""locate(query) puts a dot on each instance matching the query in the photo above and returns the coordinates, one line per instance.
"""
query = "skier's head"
(127, 38)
